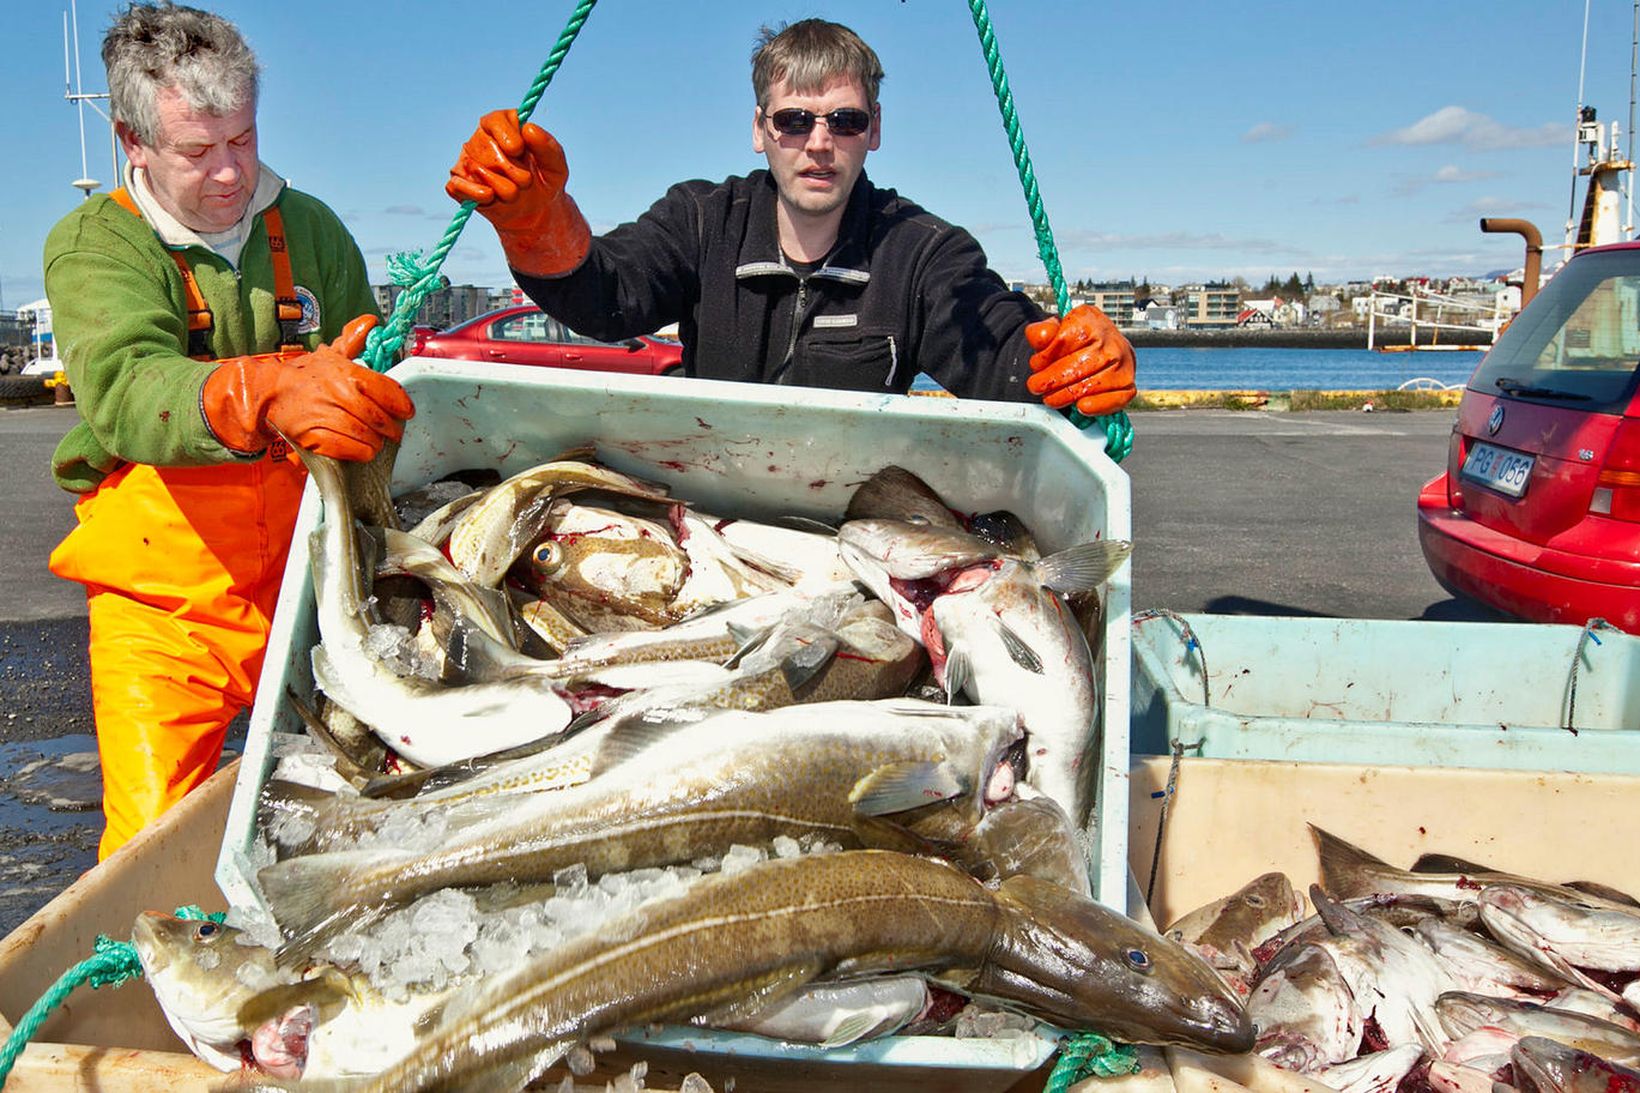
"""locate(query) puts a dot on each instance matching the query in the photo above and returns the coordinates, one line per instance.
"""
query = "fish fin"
(640, 733)
(1083, 567)
(898, 787)
(1602, 891)
(1341, 862)
(759, 994)
(1018, 651)
(747, 640)
(322, 991)
(1338, 919)
(312, 895)
(803, 665)
(851, 1028)
(1448, 863)
(763, 563)
(959, 671)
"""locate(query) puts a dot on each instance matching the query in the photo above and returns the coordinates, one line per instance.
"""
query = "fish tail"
(1342, 864)
(1084, 567)
(316, 896)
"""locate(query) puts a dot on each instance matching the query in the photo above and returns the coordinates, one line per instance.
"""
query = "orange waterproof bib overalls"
(181, 567)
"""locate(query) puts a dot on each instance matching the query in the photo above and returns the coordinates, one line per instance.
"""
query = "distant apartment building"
(442, 309)
(1114, 298)
(1209, 306)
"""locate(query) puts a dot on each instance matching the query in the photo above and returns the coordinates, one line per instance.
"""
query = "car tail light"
(1617, 487)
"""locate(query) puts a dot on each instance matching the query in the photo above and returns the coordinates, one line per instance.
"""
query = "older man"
(191, 308)
(803, 274)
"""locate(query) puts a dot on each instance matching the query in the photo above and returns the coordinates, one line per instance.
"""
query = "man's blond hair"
(807, 54)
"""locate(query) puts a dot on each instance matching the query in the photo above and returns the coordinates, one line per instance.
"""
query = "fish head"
(1303, 1012)
(1462, 1012)
(1238, 923)
(1079, 964)
(1031, 836)
(909, 551)
(609, 557)
(201, 973)
(985, 746)
(1542, 1065)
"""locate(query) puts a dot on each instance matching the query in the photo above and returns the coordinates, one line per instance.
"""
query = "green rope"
(1090, 1055)
(1118, 429)
(420, 275)
(115, 963)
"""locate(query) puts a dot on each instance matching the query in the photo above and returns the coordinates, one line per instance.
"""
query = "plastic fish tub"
(758, 452)
(1493, 695)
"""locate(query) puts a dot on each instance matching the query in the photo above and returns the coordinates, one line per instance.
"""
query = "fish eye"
(1138, 960)
(206, 930)
(918, 519)
(547, 557)
(1255, 900)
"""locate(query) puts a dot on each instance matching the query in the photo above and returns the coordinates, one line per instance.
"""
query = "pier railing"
(1449, 322)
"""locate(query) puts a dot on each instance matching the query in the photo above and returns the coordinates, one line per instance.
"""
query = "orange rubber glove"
(1081, 359)
(320, 400)
(517, 177)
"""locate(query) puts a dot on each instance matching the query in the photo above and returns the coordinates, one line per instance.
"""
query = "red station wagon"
(1538, 513)
(524, 335)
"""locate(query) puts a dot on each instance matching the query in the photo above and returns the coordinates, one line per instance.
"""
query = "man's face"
(202, 168)
(815, 172)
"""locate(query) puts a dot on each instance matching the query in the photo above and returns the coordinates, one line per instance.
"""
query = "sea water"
(1259, 369)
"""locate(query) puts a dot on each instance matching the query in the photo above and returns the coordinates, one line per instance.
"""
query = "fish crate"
(1490, 695)
(1229, 820)
(758, 452)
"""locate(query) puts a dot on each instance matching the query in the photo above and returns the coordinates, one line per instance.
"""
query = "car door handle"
(572, 356)
(498, 354)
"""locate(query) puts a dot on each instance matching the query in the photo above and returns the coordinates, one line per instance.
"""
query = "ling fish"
(754, 937)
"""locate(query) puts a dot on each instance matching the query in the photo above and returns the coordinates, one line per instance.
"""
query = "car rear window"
(1578, 343)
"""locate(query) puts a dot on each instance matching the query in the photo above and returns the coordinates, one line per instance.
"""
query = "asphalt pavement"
(1234, 512)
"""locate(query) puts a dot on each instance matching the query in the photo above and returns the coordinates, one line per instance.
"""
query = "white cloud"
(1266, 131)
(1448, 175)
(1456, 125)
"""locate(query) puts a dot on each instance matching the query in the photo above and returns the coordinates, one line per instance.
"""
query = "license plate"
(1498, 468)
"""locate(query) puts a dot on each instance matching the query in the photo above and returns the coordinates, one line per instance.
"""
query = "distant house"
(1255, 317)
(1164, 317)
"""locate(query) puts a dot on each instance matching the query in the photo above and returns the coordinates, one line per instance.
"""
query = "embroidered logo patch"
(310, 310)
(836, 320)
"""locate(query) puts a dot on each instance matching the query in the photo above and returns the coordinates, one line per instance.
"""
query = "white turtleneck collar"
(173, 233)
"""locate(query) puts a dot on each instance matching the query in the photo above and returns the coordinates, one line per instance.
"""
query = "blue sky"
(1174, 143)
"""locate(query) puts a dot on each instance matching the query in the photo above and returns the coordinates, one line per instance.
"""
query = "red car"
(1538, 513)
(524, 335)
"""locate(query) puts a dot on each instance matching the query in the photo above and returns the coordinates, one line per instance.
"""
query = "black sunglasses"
(847, 122)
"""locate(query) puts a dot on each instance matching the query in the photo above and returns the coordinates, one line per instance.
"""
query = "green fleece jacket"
(119, 317)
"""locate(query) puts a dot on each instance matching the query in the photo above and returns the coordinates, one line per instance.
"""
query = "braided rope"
(1087, 1055)
(1118, 429)
(114, 963)
(419, 274)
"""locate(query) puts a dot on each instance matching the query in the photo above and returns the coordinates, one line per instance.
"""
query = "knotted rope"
(114, 963)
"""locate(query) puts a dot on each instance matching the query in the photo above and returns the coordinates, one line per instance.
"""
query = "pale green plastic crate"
(755, 451)
(1446, 694)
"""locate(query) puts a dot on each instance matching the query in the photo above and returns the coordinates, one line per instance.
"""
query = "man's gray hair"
(154, 46)
(808, 53)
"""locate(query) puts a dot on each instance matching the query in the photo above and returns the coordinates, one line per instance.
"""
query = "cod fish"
(1481, 967)
(1226, 931)
(206, 977)
(494, 531)
(1347, 872)
(669, 792)
(1304, 1012)
(1462, 1014)
(1587, 940)
(426, 723)
(995, 630)
(752, 938)
(1542, 1065)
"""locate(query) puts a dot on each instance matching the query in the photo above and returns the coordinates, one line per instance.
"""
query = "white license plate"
(1498, 468)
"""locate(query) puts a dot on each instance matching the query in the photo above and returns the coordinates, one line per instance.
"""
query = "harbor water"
(1261, 369)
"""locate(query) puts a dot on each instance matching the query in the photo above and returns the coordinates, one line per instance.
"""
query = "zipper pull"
(893, 361)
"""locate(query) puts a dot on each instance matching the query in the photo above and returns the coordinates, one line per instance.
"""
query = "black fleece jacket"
(902, 292)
